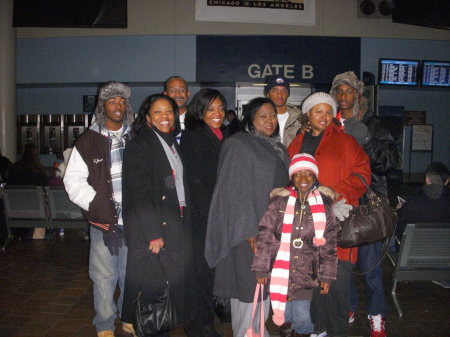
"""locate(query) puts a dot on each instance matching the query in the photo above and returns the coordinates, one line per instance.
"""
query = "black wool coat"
(151, 210)
(200, 149)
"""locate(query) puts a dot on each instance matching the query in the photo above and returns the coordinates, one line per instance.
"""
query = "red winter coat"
(338, 155)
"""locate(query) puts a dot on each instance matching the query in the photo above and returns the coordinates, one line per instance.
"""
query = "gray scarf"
(279, 148)
(177, 169)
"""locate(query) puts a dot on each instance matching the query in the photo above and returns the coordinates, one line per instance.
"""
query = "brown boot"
(285, 330)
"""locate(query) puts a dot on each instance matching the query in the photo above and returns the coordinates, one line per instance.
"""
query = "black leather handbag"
(367, 223)
(152, 318)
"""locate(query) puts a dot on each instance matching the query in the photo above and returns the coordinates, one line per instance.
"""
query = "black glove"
(113, 239)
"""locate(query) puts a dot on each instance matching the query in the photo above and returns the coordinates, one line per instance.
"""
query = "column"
(8, 119)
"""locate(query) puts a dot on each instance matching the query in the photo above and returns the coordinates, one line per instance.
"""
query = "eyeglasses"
(177, 91)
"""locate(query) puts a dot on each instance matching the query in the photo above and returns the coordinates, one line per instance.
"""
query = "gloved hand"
(113, 239)
(341, 209)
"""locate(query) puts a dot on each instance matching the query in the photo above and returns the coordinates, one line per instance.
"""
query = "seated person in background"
(28, 171)
(432, 204)
(5, 165)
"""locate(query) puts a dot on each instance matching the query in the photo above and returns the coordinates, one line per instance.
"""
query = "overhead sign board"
(303, 59)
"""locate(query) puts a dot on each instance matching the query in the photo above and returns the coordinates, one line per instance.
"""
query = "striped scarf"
(117, 141)
(280, 272)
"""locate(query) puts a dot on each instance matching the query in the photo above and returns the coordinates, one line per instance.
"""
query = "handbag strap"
(146, 268)
(362, 179)
(259, 289)
(382, 254)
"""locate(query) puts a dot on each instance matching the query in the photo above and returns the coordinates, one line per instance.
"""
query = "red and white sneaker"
(377, 326)
(351, 317)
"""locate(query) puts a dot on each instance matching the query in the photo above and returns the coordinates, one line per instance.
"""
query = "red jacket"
(338, 155)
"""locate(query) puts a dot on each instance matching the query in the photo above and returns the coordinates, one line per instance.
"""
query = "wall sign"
(415, 117)
(89, 103)
(292, 12)
(304, 59)
(422, 138)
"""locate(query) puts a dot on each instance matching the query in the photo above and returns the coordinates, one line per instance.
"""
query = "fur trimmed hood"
(284, 192)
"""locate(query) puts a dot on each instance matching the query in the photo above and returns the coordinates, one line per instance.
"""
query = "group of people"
(173, 198)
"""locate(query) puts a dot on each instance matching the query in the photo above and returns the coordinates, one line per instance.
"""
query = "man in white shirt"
(176, 87)
(278, 90)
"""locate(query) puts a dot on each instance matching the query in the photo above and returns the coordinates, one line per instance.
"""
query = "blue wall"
(435, 101)
(54, 73)
(99, 59)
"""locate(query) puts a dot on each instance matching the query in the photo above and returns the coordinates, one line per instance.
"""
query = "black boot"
(285, 330)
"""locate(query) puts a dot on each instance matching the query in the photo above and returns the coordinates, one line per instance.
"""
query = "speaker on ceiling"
(375, 8)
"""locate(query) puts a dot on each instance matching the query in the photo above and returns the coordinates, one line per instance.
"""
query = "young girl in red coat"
(298, 231)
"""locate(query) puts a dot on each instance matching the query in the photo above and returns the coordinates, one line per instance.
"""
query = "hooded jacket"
(309, 264)
(382, 151)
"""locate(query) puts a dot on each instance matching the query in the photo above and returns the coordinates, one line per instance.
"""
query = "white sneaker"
(322, 334)
(351, 317)
(377, 326)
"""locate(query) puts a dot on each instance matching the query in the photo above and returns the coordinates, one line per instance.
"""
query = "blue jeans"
(367, 256)
(106, 271)
(297, 312)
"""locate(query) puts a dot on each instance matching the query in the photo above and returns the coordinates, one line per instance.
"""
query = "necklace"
(298, 242)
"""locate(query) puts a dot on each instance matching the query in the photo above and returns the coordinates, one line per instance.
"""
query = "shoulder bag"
(152, 318)
(368, 223)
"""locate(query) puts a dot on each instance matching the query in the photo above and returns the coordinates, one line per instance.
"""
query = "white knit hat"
(318, 98)
(303, 161)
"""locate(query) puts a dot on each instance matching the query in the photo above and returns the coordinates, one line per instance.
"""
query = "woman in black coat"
(200, 146)
(252, 163)
(155, 200)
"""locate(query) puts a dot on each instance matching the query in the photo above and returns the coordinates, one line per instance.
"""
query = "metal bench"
(24, 206)
(34, 206)
(424, 255)
(63, 213)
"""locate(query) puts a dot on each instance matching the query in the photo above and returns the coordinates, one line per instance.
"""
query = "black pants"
(330, 312)
(205, 281)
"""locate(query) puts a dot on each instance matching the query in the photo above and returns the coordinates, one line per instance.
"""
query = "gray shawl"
(249, 168)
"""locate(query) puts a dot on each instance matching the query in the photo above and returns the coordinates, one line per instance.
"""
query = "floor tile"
(43, 294)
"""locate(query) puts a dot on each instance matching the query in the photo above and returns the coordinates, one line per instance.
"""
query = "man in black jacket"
(381, 149)
(429, 205)
(93, 181)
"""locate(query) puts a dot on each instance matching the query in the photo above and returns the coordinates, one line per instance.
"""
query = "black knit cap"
(276, 81)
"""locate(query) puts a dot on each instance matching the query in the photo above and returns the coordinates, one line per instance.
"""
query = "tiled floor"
(45, 290)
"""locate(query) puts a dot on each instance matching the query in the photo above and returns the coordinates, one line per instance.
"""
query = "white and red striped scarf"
(280, 272)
